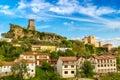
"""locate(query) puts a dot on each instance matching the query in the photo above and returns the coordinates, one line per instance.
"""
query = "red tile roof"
(22, 60)
(8, 63)
(68, 58)
(34, 53)
(105, 57)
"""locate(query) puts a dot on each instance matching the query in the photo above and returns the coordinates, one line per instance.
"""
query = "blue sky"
(71, 18)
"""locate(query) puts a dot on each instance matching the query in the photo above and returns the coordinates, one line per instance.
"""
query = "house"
(16, 45)
(82, 59)
(105, 63)
(28, 56)
(108, 46)
(43, 48)
(5, 70)
(6, 39)
(66, 66)
(63, 49)
(39, 58)
(31, 66)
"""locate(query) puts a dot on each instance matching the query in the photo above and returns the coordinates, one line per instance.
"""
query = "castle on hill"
(31, 25)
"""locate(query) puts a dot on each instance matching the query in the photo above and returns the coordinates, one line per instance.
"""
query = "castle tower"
(31, 25)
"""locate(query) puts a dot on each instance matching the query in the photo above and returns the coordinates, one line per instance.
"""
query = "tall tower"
(31, 25)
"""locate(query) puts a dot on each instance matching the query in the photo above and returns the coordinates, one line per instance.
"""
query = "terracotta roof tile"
(105, 57)
(68, 58)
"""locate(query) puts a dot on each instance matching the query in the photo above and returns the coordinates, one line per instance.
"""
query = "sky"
(73, 19)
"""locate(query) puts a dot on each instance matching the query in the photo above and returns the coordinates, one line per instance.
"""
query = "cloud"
(5, 9)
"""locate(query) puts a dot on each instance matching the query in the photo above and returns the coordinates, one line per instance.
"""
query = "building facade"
(108, 46)
(43, 48)
(6, 68)
(91, 40)
(39, 58)
(66, 66)
(105, 63)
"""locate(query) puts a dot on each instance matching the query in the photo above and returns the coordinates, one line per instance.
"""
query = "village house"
(5, 69)
(66, 66)
(6, 39)
(39, 58)
(82, 59)
(16, 45)
(43, 48)
(108, 46)
(63, 49)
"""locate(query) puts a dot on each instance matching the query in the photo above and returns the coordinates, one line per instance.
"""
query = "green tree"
(46, 66)
(20, 69)
(78, 47)
(87, 69)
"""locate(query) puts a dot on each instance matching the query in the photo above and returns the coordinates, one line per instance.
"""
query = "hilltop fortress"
(18, 32)
(91, 40)
(31, 25)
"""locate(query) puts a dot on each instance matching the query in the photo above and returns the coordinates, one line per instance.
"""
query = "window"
(66, 72)
(72, 66)
(98, 65)
(72, 72)
(104, 65)
(32, 70)
(101, 65)
(66, 66)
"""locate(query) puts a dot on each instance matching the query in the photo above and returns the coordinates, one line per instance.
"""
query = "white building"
(5, 70)
(105, 63)
(39, 58)
(66, 66)
(63, 49)
(6, 39)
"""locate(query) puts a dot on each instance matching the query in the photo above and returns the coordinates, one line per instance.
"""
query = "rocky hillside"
(18, 32)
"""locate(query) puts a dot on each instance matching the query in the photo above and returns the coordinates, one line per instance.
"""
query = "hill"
(19, 32)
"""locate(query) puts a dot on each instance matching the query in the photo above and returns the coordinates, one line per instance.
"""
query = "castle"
(91, 40)
(31, 25)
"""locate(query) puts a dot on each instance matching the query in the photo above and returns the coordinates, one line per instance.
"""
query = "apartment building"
(105, 64)
(66, 66)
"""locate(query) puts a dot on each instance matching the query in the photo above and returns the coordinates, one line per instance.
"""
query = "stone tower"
(31, 25)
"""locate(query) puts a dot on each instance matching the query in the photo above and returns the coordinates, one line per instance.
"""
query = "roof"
(107, 45)
(27, 53)
(8, 63)
(34, 53)
(68, 58)
(23, 60)
(105, 57)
